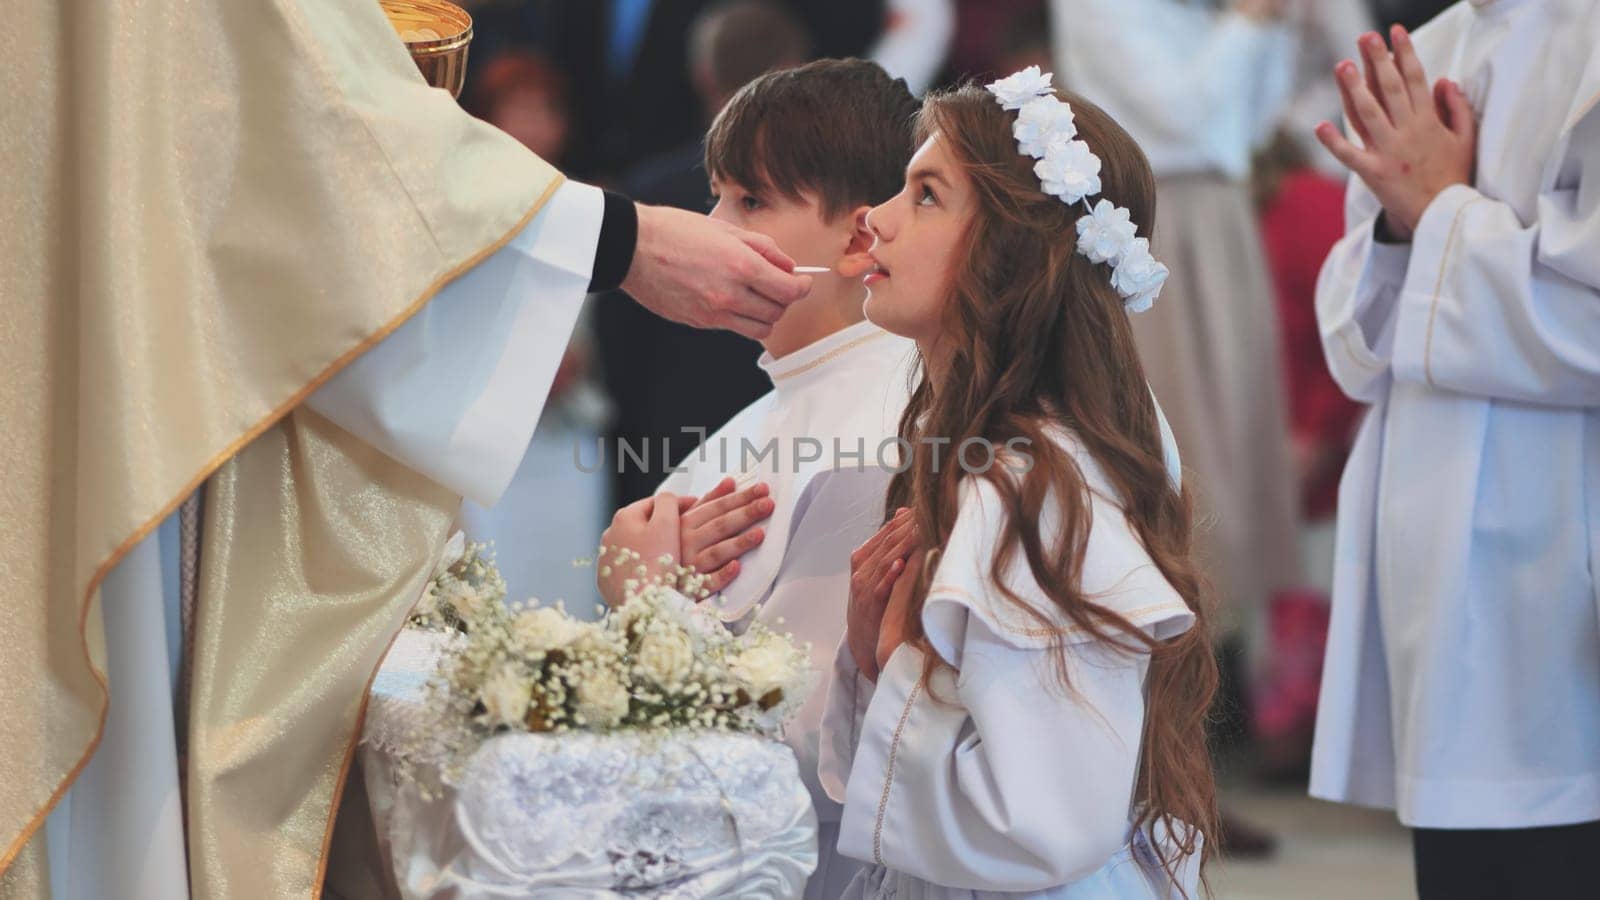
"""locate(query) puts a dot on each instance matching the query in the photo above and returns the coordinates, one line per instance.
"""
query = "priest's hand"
(874, 568)
(1417, 141)
(696, 270)
(722, 527)
(649, 528)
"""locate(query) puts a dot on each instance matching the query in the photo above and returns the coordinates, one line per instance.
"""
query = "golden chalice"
(437, 33)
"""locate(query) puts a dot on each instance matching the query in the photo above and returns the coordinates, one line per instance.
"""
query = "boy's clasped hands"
(709, 534)
(1415, 140)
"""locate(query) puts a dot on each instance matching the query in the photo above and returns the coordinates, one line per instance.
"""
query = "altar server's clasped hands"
(1415, 141)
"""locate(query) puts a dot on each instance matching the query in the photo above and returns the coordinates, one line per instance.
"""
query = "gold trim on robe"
(211, 209)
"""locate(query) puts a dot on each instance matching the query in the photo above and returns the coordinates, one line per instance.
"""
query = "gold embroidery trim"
(1438, 287)
(831, 355)
(1359, 359)
(888, 773)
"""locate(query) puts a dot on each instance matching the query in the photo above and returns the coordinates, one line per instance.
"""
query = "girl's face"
(918, 232)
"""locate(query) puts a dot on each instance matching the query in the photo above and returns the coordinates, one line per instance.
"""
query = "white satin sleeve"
(455, 392)
(959, 782)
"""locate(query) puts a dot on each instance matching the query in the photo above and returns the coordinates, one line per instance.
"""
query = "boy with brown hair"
(815, 454)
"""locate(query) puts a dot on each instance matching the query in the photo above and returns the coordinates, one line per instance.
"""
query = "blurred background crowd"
(619, 93)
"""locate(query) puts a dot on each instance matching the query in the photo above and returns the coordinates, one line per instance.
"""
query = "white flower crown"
(1068, 169)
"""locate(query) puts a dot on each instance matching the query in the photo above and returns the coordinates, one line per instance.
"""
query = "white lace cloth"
(676, 815)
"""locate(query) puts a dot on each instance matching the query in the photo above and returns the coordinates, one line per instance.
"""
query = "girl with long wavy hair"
(1019, 703)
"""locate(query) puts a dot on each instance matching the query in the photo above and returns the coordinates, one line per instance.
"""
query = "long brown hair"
(1034, 338)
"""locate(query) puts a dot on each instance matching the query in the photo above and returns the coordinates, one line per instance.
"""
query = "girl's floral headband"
(1068, 169)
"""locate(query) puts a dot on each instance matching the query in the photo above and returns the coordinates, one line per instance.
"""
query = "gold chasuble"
(209, 208)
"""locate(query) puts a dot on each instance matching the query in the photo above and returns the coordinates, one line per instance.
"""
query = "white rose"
(1106, 233)
(506, 694)
(1138, 277)
(1069, 170)
(1041, 122)
(544, 629)
(666, 656)
(602, 698)
(764, 666)
(1017, 89)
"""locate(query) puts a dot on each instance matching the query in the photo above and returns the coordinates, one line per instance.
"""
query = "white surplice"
(454, 393)
(1003, 781)
(1462, 681)
(845, 391)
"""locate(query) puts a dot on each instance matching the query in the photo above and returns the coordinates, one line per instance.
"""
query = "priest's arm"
(456, 391)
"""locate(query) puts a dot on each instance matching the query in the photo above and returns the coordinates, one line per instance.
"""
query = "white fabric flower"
(454, 549)
(544, 629)
(1042, 122)
(1106, 232)
(764, 666)
(1069, 170)
(1017, 89)
(506, 694)
(1139, 276)
(665, 656)
(602, 699)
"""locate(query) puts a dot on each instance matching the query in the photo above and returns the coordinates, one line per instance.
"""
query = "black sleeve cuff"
(619, 234)
(1380, 231)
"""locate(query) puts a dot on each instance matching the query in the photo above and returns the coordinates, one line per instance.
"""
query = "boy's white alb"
(1069, 169)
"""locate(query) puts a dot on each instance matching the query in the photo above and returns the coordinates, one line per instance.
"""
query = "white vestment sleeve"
(455, 392)
(1498, 308)
(1357, 290)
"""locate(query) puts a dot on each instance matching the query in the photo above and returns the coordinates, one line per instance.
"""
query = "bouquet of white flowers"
(656, 662)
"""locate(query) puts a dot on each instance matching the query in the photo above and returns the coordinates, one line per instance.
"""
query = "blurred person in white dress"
(1199, 87)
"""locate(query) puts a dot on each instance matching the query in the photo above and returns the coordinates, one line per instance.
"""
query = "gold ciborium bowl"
(437, 33)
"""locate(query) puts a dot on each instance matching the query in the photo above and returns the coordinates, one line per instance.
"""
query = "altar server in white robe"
(1018, 706)
(818, 449)
(1462, 682)
(357, 304)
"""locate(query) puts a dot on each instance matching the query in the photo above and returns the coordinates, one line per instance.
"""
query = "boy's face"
(798, 226)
